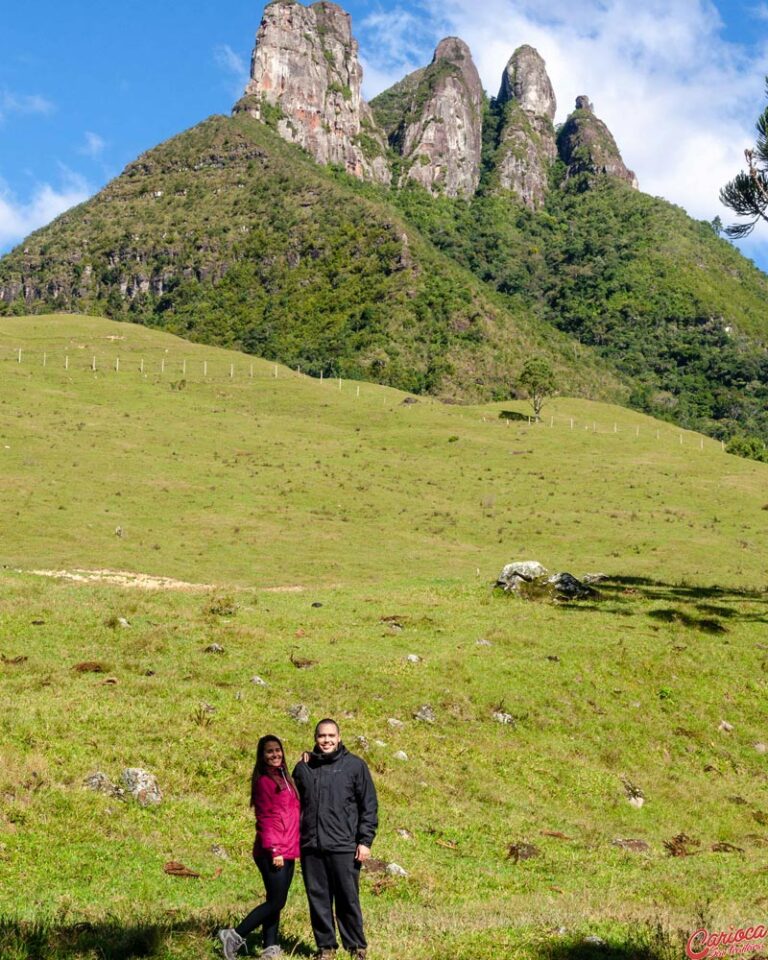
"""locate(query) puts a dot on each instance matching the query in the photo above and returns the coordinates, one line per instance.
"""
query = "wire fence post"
(93, 364)
(66, 361)
(19, 357)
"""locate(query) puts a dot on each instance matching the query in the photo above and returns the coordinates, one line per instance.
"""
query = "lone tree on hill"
(747, 193)
(538, 379)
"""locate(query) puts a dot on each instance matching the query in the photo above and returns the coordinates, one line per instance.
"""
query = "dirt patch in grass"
(122, 578)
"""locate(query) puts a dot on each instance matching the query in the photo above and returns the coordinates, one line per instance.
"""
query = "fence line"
(164, 366)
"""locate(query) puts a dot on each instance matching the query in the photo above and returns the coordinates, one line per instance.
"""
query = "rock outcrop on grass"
(532, 581)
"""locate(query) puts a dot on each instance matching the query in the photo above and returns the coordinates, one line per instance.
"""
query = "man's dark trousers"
(330, 877)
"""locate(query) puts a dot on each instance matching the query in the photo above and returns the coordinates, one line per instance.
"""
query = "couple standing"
(326, 814)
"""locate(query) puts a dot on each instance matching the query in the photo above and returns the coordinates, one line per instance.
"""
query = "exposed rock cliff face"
(526, 145)
(434, 119)
(586, 145)
(305, 79)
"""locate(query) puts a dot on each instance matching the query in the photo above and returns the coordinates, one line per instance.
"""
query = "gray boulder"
(568, 586)
(524, 571)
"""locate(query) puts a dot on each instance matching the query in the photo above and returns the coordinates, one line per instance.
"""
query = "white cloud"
(231, 63)
(20, 217)
(680, 100)
(23, 103)
(93, 145)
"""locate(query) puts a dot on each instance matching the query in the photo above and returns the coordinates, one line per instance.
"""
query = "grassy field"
(271, 494)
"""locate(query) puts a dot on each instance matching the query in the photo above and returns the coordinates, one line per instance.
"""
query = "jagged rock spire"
(526, 140)
(434, 119)
(306, 78)
(525, 80)
(586, 145)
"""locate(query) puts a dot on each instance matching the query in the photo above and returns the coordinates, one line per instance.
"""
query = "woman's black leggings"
(267, 914)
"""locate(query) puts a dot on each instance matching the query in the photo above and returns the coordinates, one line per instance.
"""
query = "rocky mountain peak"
(453, 49)
(525, 109)
(586, 145)
(306, 79)
(434, 119)
(525, 80)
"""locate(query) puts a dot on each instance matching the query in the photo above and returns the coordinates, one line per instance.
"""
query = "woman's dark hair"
(262, 770)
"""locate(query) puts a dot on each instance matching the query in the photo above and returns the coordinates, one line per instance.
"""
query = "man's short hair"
(321, 723)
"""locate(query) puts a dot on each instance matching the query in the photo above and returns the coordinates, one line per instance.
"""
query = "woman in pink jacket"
(275, 802)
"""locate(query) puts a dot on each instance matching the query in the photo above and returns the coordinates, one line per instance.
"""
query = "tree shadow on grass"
(109, 939)
(646, 942)
(709, 609)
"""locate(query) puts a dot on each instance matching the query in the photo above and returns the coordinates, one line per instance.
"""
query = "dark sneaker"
(358, 954)
(231, 941)
(326, 953)
(272, 953)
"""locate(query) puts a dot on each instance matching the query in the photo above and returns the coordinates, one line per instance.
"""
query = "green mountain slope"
(228, 235)
(678, 311)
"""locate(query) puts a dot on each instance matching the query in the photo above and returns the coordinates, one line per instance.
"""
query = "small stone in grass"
(142, 786)
(395, 724)
(725, 727)
(214, 648)
(259, 681)
(400, 755)
(395, 870)
(413, 658)
(299, 712)
(635, 846)
(425, 713)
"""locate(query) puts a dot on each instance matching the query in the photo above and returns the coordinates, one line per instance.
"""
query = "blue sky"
(86, 87)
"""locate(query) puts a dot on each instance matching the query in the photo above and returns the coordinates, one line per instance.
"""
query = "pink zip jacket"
(277, 818)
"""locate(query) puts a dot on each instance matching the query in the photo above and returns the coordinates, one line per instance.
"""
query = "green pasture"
(337, 524)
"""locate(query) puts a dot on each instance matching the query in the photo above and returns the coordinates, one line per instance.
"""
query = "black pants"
(333, 879)
(267, 915)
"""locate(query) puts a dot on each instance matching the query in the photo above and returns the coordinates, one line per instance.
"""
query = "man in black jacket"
(339, 817)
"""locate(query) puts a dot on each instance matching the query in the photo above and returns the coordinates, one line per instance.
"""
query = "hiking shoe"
(231, 941)
(358, 954)
(326, 953)
(272, 953)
